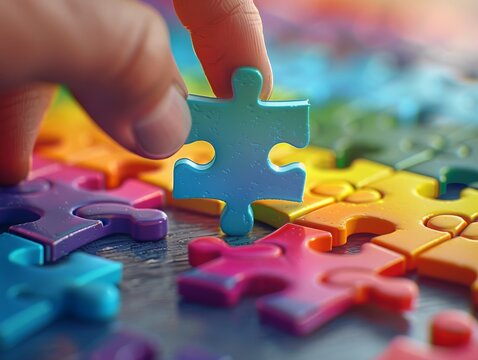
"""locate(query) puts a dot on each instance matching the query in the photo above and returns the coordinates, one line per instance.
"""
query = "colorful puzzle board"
(365, 133)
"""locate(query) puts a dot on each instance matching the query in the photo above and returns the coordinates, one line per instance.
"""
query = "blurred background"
(411, 60)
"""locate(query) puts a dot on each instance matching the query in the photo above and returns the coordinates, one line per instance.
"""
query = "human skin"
(115, 57)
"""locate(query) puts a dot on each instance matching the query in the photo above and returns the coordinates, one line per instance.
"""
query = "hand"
(114, 56)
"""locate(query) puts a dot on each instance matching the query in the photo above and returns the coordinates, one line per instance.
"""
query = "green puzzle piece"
(355, 134)
(457, 163)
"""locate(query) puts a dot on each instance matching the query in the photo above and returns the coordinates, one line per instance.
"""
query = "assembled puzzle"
(336, 220)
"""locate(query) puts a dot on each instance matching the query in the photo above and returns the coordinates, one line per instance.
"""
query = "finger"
(114, 55)
(21, 111)
(226, 35)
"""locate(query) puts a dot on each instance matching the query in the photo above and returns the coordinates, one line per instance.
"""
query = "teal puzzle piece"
(33, 295)
(242, 131)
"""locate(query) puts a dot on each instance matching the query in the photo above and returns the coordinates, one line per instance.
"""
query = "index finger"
(226, 34)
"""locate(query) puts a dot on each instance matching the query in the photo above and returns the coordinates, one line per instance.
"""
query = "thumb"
(115, 57)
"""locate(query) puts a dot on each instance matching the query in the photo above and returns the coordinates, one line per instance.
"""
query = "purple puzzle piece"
(125, 345)
(142, 225)
(137, 193)
(49, 207)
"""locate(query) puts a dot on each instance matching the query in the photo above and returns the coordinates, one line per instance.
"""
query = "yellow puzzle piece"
(397, 216)
(67, 134)
(324, 185)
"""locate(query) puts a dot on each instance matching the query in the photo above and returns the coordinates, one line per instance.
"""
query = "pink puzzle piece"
(137, 193)
(301, 286)
(451, 334)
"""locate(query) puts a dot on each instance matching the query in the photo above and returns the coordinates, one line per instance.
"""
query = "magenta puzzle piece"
(48, 210)
(295, 277)
(137, 193)
(453, 337)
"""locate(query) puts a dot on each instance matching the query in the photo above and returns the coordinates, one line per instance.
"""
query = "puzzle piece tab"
(452, 337)
(242, 131)
(46, 211)
(454, 260)
(34, 295)
(398, 217)
(296, 280)
(323, 186)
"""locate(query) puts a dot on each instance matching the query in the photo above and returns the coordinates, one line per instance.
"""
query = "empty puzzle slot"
(354, 243)
(453, 191)
(15, 216)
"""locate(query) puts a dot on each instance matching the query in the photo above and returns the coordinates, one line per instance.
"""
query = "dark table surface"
(151, 306)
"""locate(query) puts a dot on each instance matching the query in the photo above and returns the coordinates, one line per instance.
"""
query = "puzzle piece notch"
(199, 152)
(451, 338)
(399, 218)
(322, 187)
(82, 285)
(57, 227)
(289, 270)
(141, 225)
(455, 259)
(243, 131)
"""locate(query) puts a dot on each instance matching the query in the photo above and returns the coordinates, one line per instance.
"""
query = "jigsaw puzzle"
(135, 192)
(242, 131)
(456, 163)
(299, 284)
(33, 294)
(395, 210)
(453, 336)
(390, 185)
(456, 259)
(48, 212)
(323, 186)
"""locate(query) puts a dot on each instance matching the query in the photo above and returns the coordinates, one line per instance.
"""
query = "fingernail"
(165, 129)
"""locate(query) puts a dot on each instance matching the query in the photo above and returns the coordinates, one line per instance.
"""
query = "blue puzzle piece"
(32, 295)
(242, 131)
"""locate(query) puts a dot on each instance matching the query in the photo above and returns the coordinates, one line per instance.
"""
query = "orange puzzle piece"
(452, 337)
(324, 185)
(67, 134)
(396, 210)
(455, 260)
